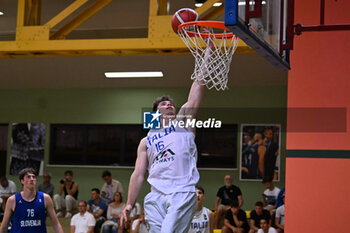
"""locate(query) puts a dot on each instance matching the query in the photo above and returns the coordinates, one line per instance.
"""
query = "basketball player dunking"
(170, 156)
(28, 208)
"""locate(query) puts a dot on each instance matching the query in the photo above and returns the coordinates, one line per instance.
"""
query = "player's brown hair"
(160, 99)
(26, 171)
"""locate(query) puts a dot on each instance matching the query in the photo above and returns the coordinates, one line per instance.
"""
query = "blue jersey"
(29, 217)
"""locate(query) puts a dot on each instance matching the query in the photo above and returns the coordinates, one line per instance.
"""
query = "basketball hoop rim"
(212, 24)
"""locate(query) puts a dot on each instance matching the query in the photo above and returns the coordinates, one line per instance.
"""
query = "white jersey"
(172, 158)
(201, 221)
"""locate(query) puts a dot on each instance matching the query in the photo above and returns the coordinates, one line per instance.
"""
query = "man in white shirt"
(7, 188)
(265, 227)
(110, 187)
(270, 195)
(82, 222)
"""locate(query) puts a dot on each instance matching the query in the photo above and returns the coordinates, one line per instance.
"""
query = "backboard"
(262, 25)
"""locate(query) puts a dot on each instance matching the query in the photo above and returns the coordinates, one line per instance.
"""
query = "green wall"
(236, 105)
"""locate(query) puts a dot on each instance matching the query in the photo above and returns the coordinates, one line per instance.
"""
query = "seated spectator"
(82, 221)
(203, 218)
(235, 220)
(70, 200)
(114, 212)
(139, 225)
(98, 208)
(265, 227)
(7, 188)
(279, 220)
(270, 195)
(256, 215)
(46, 186)
(226, 194)
(110, 187)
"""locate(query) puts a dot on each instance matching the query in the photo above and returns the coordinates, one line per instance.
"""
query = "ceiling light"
(250, 3)
(199, 3)
(1, 13)
(154, 74)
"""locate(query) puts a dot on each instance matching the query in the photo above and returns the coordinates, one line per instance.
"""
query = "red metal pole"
(322, 8)
(337, 27)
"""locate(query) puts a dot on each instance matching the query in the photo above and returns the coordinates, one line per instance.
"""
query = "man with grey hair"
(226, 194)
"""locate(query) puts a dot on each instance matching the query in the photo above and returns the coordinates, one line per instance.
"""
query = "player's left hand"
(124, 217)
(208, 41)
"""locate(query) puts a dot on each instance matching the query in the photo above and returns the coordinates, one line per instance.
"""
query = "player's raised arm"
(190, 108)
(136, 179)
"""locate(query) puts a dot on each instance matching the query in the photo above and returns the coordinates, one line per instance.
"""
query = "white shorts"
(169, 213)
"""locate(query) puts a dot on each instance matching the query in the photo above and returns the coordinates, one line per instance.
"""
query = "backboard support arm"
(299, 28)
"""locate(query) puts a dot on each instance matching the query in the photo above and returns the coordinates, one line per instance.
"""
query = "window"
(217, 147)
(116, 145)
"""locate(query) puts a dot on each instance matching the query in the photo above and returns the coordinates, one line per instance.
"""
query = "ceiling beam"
(21, 13)
(99, 47)
(207, 8)
(80, 19)
(65, 13)
(214, 13)
(35, 41)
(163, 8)
(34, 12)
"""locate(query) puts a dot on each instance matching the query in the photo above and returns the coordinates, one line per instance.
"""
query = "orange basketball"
(182, 16)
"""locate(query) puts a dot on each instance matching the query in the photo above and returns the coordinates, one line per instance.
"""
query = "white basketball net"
(211, 67)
